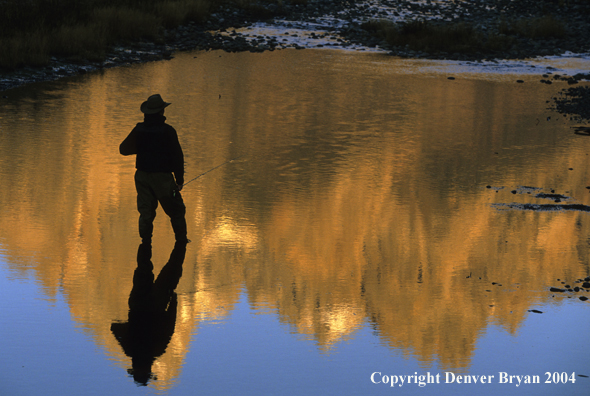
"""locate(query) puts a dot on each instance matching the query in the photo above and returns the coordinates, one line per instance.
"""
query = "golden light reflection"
(362, 201)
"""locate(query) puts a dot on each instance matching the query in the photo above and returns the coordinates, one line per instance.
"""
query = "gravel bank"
(338, 24)
(575, 103)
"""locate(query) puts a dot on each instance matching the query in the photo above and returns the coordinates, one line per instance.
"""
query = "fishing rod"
(212, 169)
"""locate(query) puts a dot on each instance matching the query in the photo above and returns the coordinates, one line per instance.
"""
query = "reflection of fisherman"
(152, 311)
(159, 156)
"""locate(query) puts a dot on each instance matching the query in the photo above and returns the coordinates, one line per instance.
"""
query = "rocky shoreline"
(339, 23)
(575, 102)
(565, 287)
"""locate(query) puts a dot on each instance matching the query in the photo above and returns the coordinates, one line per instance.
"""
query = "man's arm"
(178, 158)
(129, 146)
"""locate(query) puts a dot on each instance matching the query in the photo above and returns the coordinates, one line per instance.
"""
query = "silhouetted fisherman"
(152, 311)
(160, 169)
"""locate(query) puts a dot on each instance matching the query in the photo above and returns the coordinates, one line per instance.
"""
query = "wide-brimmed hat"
(154, 105)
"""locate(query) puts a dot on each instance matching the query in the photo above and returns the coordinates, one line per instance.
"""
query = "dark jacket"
(157, 147)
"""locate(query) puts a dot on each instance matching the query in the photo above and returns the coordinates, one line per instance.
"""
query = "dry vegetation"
(462, 37)
(542, 27)
(425, 36)
(34, 30)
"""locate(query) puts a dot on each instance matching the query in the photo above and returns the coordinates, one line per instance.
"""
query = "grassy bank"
(460, 37)
(425, 36)
(34, 30)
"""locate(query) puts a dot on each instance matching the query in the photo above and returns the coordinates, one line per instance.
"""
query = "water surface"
(372, 223)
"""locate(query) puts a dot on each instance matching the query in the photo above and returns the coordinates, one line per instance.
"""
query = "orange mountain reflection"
(361, 202)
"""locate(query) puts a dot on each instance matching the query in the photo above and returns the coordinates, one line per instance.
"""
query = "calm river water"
(373, 228)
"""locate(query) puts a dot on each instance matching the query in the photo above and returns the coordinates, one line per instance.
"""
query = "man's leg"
(175, 209)
(172, 204)
(147, 203)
